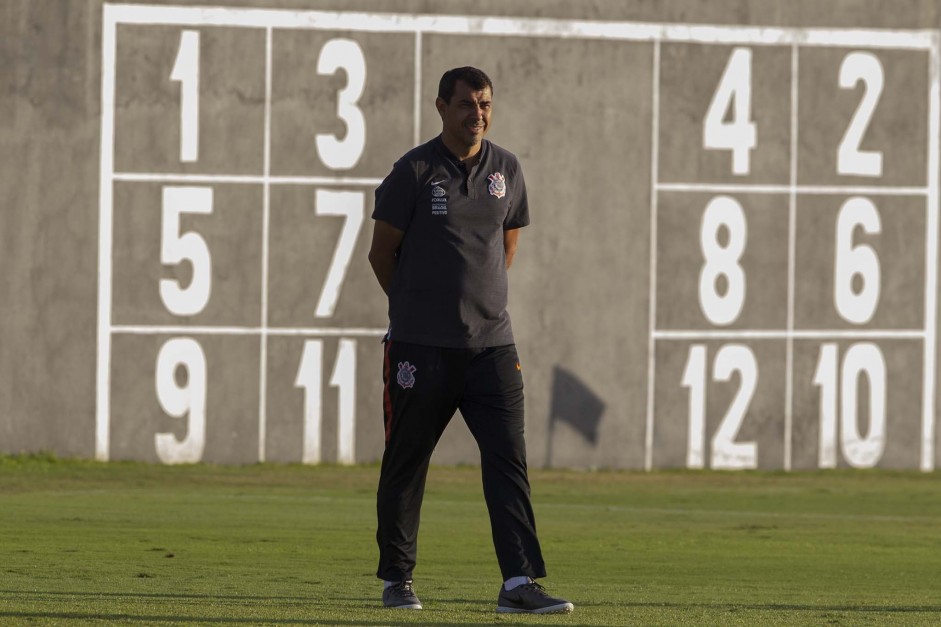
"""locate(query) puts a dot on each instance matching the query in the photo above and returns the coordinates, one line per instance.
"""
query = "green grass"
(86, 543)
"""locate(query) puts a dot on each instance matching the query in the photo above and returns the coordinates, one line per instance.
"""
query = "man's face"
(466, 118)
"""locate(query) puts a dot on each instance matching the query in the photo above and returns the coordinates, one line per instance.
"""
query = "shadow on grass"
(313, 604)
(199, 620)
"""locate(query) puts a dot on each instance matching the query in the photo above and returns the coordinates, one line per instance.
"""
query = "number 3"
(345, 54)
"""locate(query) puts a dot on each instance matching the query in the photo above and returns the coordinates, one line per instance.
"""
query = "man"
(447, 221)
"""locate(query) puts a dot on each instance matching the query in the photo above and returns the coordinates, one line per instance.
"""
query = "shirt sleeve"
(518, 214)
(396, 195)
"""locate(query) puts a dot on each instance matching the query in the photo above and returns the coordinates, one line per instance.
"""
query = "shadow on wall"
(575, 404)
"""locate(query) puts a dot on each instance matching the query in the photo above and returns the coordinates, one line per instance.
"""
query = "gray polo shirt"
(450, 284)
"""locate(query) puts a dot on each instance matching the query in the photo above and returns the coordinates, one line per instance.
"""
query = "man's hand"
(386, 240)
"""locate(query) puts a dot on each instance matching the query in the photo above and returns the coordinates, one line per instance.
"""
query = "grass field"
(87, 543)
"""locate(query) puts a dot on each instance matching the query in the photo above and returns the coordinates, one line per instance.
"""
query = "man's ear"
(440, 105)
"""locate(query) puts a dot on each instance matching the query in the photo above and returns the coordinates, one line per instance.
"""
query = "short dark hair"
(475, 78)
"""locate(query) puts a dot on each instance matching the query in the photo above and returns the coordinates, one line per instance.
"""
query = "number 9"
(180, 400)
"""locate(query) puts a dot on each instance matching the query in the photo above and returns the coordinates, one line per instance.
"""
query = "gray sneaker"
(531, 598)
(401, 596)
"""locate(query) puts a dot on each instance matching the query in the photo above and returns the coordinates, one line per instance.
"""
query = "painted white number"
(859, 451)
(186, 72)
(865, 67)
(856, 261)
(351, 207)
(734, 92)
(182, 401)
(176, 248)
(726, 452)
(310, 378)
(722, 212)
(345, 54)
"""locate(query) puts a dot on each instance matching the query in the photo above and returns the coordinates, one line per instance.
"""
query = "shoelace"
(406, 586)
(535, 587)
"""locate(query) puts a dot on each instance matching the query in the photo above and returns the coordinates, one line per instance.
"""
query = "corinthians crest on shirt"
(497, 185)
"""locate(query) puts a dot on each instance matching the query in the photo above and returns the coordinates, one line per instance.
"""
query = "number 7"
(351, 206)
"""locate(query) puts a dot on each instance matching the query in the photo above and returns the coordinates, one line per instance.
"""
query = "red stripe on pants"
(386, 393)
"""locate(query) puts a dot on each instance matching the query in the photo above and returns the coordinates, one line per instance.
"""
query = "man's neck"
(467, 155)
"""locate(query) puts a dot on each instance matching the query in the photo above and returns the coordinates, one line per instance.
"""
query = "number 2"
(865, 67)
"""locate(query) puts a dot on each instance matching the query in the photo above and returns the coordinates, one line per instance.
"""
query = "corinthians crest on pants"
(406, 376)
(497, 185)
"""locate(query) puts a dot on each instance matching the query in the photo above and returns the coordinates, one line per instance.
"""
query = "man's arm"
(510, 239)
(386, 240)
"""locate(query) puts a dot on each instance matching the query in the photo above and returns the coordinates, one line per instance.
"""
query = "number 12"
(726, 452)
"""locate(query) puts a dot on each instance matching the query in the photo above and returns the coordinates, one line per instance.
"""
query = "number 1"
(186, 72)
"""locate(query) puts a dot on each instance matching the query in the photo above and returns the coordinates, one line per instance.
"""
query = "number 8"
(722, 261)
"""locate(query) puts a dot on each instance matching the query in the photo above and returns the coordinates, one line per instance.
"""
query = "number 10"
(859, 451)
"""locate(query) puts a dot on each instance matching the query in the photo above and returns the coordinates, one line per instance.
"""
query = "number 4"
(734, 92)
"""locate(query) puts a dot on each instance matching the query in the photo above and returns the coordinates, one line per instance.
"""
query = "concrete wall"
(605, 106)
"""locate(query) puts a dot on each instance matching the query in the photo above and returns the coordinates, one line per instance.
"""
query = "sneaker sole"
(562, 608)
(411, 606)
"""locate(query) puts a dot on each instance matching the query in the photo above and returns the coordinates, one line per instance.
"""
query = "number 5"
(176, 248)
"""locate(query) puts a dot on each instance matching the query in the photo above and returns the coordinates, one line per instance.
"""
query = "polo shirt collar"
(484, 149)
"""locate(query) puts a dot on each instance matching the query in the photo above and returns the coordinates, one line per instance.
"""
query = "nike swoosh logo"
(439, 182)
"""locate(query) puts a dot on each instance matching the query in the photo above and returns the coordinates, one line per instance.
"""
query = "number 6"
(858, 260)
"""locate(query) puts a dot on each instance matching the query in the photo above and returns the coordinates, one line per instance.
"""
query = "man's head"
(464, 103)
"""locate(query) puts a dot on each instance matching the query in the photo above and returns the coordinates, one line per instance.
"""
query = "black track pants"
(423, 388)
